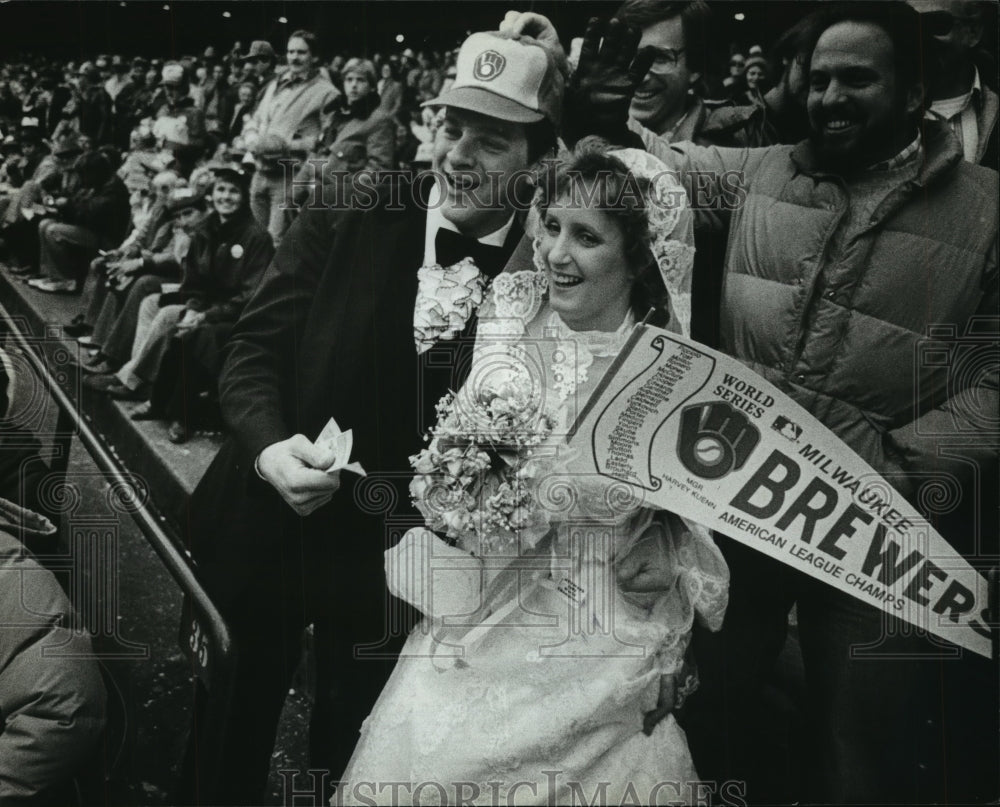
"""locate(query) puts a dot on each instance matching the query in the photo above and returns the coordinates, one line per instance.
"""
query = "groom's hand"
(295, 468)
(528, 23)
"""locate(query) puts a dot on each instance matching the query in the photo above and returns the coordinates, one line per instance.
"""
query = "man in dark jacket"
(358, 136)
(330, 334)
(179, 125)
(126, 112)
(93, 107)
(958, 91)
(94, 217)
(845, 253)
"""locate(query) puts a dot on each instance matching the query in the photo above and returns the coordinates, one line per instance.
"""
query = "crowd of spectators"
(157, 190)
(92, 151)
(109, 167)
(112, 168)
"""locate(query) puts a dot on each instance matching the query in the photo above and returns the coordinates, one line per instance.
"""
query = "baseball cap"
(259, 48)
(513, 79)
(182, 199)
(173, 73)
(230, 172)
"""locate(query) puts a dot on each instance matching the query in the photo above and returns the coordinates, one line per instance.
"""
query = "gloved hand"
(601, 90)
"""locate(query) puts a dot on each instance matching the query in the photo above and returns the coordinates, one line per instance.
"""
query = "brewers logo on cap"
(489, 65)
(514, 79)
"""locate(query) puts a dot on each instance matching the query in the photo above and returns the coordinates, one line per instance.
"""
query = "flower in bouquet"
(477, 480)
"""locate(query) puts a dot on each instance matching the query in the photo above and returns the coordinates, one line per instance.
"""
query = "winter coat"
(360, 136)
(105, 210)
(224, 263)
(52, 704)
(841, 324)
(293, 110)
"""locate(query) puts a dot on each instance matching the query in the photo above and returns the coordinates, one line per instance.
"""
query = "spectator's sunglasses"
(937, 23)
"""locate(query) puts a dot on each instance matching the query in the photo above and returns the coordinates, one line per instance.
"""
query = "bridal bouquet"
(476, 481)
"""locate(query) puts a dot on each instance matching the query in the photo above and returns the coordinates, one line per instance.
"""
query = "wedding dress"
(530, 683)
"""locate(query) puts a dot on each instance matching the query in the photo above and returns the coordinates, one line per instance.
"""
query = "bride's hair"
(620, 194)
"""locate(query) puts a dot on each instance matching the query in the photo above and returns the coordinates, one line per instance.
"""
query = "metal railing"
(204, 636)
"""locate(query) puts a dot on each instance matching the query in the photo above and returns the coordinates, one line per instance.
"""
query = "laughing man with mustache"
(339, 327)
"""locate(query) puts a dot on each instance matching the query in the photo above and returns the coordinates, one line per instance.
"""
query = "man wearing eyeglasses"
(663, 102)
(957, 93)
(678, 35)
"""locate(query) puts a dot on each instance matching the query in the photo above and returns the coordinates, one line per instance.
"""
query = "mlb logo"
(786, 428)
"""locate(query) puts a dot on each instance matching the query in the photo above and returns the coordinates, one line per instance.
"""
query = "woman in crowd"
(755, 80)
(179, 334)
(551, 667)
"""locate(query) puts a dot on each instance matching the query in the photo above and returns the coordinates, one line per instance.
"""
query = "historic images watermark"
(310, 789)
(398, 189)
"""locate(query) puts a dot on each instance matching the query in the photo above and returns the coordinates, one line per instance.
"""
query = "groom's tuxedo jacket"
(329, 333)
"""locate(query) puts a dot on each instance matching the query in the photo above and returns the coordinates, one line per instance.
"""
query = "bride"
(535, 677)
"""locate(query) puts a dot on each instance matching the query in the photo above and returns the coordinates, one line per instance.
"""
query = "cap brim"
(178, 210)
(229, 175)
(477, 99)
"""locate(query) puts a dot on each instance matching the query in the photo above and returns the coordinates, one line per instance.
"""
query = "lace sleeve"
(674, 570)
(704, 574)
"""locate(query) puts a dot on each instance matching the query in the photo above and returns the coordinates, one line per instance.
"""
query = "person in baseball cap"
(182, 199)
(508, 90)
(499, 118)
(173, 75)
(511, 78)
(260, 60)
(259, 49)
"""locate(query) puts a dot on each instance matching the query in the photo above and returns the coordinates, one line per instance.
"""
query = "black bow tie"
(451, 247)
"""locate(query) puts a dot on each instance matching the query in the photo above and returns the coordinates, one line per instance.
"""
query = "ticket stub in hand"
(342, 443)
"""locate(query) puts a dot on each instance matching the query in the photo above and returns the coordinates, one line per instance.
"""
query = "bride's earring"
(538, 260)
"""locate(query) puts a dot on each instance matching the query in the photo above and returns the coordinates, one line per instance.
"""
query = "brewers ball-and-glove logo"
(489, 65)
(715, 439)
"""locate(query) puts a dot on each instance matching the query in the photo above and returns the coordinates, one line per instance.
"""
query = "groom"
(330, 333)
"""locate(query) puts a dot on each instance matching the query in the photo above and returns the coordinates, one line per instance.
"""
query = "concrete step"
(170, 471)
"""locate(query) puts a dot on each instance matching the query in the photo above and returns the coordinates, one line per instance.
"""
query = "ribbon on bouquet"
(464, 600)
